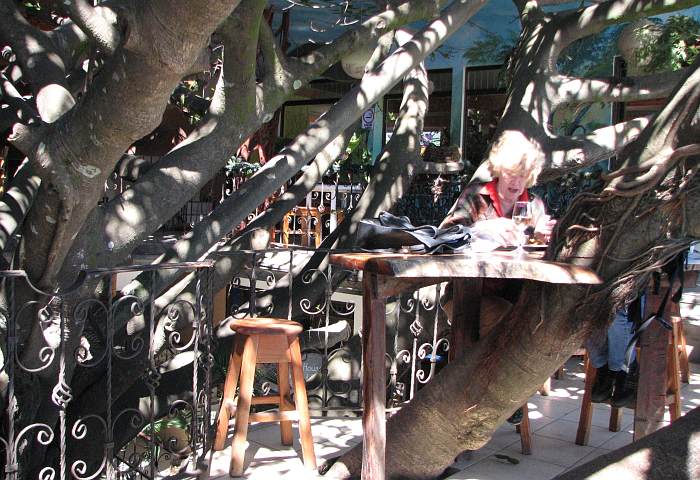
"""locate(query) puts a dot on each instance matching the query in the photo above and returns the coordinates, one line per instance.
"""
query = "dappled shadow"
(671, 452)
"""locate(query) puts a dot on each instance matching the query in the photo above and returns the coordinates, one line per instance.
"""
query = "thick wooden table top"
(469, 265)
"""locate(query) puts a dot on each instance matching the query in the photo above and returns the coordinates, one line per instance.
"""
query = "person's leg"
(597, 348)
(619, 336)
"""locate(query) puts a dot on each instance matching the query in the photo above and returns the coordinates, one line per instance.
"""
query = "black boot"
(625, 395)
(517, 417)
(602, 389)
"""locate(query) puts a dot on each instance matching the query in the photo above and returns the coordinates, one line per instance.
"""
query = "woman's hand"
(543, 229)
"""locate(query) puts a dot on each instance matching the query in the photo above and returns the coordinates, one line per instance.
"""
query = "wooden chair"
(305, 222)
(676, 368)
(264, 340)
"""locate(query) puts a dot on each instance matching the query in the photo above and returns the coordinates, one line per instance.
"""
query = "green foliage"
(492, 49)
(357, 150)
(179, 419)
(668, 45)
(32, 6)
(357, 159)
(184, 97)
(236, 166)
(591, 56)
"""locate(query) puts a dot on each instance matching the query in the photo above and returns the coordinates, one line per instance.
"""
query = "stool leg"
(302, 405)
(673, 373)
(584, 420)
(234, 369)
(283, 382)
(615, 419)
(318, 230)
(559, 374)
(524, 430)
(243, 408)
(680, 336)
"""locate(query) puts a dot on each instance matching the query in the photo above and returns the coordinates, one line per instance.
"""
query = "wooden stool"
(674, 371)
(264, 340)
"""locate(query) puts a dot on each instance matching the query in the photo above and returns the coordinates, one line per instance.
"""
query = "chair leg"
(283, 382)
(234, 369)
(525, 435)
(584, 420)
(302, 405)
(243, 408)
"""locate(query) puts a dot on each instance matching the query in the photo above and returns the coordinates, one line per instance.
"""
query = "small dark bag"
(389, 232)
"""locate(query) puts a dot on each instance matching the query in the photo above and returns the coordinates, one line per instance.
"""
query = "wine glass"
(522, 217)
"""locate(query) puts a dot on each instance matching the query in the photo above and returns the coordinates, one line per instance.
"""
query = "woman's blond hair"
(514, 152)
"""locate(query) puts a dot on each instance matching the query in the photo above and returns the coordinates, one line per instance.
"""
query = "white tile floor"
(554, 420)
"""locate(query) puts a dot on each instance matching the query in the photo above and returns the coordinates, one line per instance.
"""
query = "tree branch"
(100, 23)
(339, 117)
(573, 90)
(124, 221)
(70, 41)
(273, 57)
(301, 70)
(567, 154)
(662, 165)
(84, 147)
(42, 66)
(21, 110)
(201, 155)
(16, 203)
(587, 21)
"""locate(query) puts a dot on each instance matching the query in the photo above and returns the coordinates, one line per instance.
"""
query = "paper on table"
(483, 242)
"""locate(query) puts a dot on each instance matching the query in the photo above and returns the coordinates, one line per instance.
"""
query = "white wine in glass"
(522, 217)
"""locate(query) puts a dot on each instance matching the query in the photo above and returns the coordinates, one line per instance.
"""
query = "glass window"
(484, 100)
(436, 127)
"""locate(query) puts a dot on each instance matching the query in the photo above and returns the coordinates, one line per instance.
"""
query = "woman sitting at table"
(487, 208)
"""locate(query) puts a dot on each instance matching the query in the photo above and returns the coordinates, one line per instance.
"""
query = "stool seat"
(265, 326)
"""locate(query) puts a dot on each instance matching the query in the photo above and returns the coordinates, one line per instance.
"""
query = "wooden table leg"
(466, 306)
(373, 378)
(651, 392)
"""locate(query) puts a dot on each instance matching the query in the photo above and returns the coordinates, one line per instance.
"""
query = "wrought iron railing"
(83, 375)
(92, 384)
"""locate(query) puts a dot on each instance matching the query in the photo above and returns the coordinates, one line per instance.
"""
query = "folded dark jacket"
(392, 232)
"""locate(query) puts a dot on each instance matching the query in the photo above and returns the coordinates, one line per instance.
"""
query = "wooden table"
(390, 274)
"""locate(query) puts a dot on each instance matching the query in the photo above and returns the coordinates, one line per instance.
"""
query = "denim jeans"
(611, 349)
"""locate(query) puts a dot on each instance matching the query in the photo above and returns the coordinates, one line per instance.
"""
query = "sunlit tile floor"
(554, 420)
